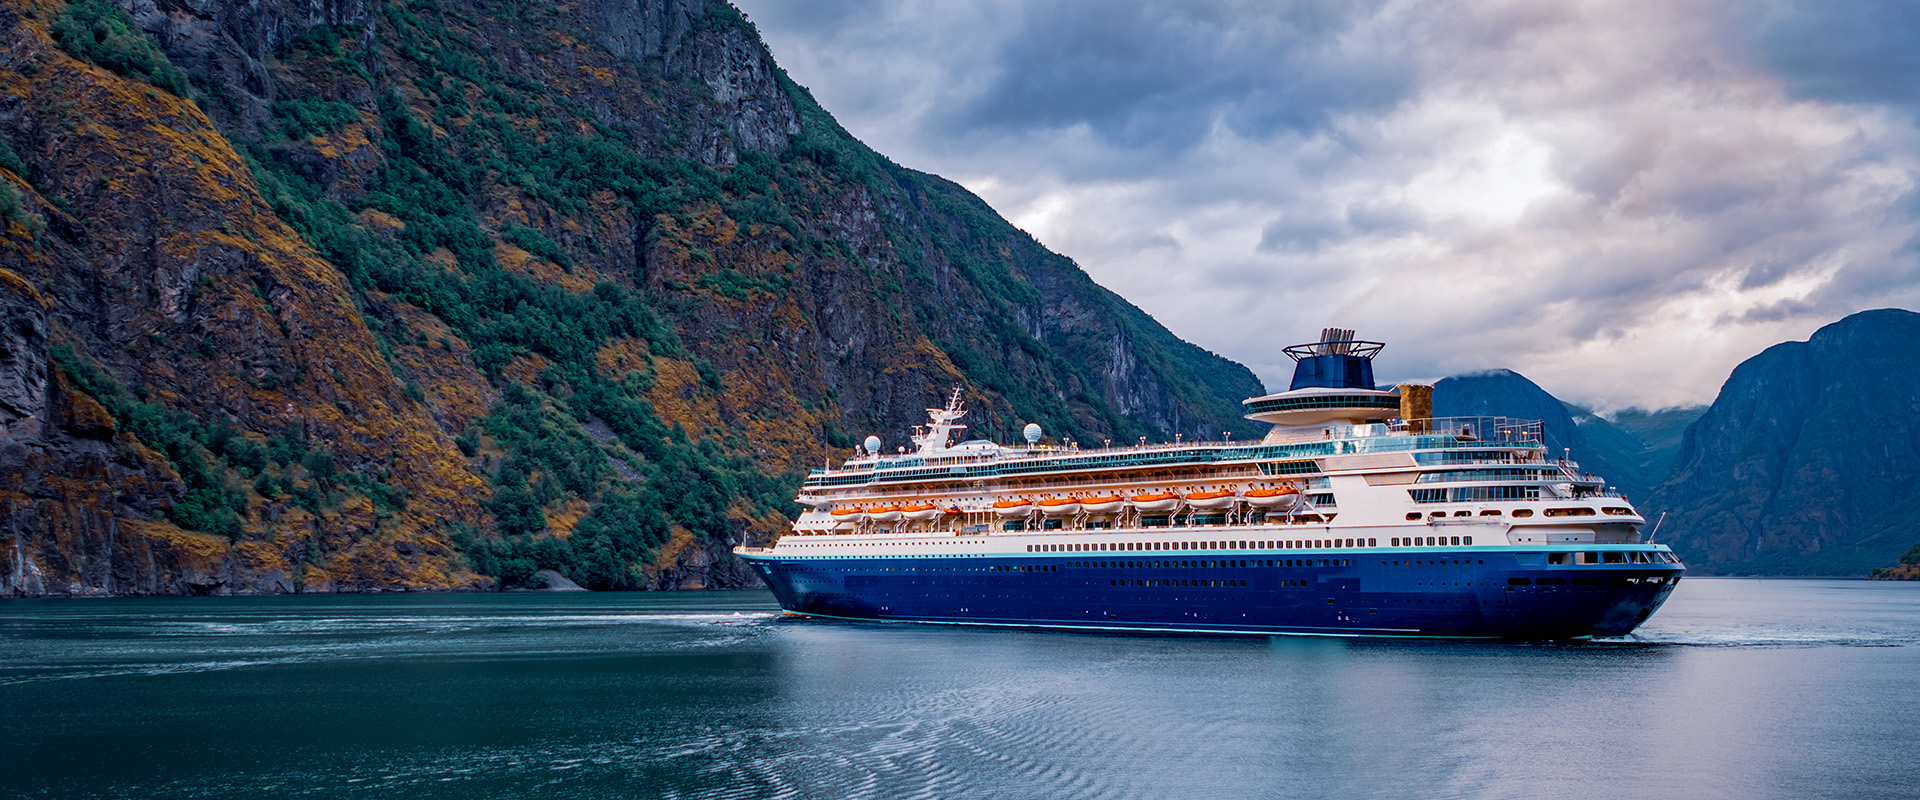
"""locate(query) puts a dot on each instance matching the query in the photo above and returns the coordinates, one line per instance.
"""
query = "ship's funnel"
(1337, 361)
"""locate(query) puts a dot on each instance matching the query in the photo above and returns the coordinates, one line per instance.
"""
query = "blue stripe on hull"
(1440, 594)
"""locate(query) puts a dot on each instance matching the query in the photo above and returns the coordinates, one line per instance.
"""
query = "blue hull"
(1481, 594)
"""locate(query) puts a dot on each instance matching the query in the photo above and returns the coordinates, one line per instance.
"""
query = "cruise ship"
(1357, 514)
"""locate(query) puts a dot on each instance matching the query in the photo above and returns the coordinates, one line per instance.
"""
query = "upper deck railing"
(1478, 429)
(1423, 434)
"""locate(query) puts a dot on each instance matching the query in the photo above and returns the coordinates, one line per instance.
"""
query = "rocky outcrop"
(74, 490)
(227, 45)
(1806, 461)
(744, 92)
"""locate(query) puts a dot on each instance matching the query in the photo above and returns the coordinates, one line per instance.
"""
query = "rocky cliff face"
(1806, 462)
(347, 295)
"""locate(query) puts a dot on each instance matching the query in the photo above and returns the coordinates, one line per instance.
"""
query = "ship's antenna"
(1656, 527)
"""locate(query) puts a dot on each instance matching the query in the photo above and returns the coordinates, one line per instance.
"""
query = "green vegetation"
(12, 210)
(97, 32)
(307, 117)
(213, 460)
(513, 135)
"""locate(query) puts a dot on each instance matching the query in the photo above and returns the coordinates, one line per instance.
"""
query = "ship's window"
(1029, 548)
(1394, 542)
(1455, 539)
(1551, 581)
(1466, 540)
(1413, 516)
(1588, 558)
(1373, 542)
(1556, 558)
(1522, 513)
(1518, 582)
(1437, 514)
(1590, 580)
(1616, 558)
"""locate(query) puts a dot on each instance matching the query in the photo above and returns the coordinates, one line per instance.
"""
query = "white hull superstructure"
(1356, 493)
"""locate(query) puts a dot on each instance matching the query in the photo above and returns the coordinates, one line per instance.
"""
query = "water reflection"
(1737, 689)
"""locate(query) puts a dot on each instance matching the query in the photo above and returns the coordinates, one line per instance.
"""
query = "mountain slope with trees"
(350, 294)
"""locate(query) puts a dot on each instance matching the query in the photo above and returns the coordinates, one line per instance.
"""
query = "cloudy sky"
(1621, 200)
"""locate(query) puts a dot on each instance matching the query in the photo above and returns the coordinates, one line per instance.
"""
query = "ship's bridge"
(1332, 385)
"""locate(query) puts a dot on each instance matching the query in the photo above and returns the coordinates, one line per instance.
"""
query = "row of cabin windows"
(1429, 541)
(1227, 564)
(1466, 494)
(1102, 547)
(1594, 580)
(1179, 582)
(1614, 557)
(1523, 513)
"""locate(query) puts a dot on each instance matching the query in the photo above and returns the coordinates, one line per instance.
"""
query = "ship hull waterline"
(1357, 593)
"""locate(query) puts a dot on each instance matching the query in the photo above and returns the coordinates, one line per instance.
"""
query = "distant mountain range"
(1804, 465)
(1632, 450)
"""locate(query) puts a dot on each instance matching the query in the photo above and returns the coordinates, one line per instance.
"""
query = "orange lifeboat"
(884, 513)
(1060, 506)
(1105, 504)
(920, 512)
(1212, 500)
(1283, 497)
(844, 517)
(1017, 507)
(1155, 501)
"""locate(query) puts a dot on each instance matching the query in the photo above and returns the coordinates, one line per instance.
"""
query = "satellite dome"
(1032, 432)
(873, 444)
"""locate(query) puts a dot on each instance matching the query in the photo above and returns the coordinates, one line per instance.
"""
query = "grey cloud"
(1855, 51)
(1383, 217)
(813, 17)
(1301, 231)
(1303, 165)
(1158, 76)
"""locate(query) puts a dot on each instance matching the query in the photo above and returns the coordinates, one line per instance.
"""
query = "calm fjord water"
(1737, 689)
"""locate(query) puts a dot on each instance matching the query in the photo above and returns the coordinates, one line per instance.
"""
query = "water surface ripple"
(1736, 689)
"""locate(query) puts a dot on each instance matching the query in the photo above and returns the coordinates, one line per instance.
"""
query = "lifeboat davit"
(884, 514)
(921, 512)
(1060, 506)
(1212, 500)
(1154, 502)
(1283, 497)
(1017, 507)
(1101, 505)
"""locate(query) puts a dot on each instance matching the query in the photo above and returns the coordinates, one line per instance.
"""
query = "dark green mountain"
(1807, 461)
(335, 295)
